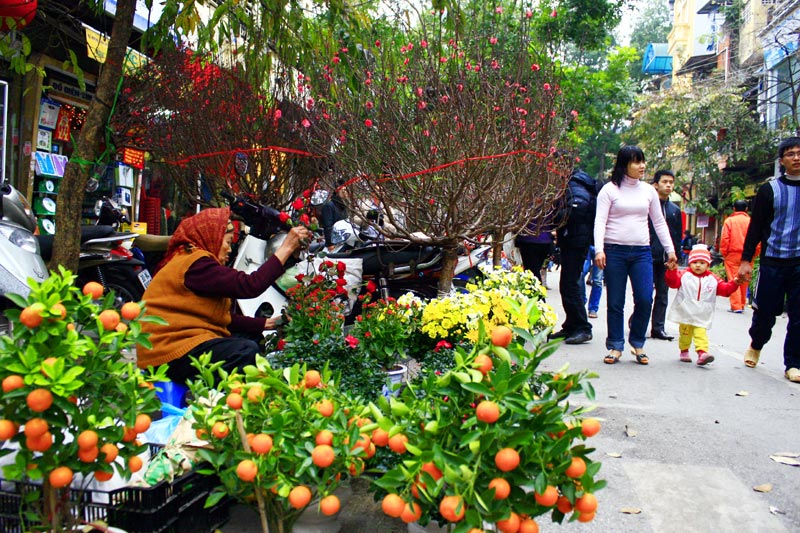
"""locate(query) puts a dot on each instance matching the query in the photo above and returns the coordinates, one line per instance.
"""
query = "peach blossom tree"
(454, 134)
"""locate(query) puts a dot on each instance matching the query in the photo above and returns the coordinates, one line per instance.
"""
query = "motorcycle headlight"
(20, 237)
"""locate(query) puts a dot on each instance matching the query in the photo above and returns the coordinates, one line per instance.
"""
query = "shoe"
(663, 335)
(685, 357)
(578, 338)
(592, 315)
(612, 357)
(737, 311)
(561, 334)
(793, 375)
(703, 358)
(751, 357)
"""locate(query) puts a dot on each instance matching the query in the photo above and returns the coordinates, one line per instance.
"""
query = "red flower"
(306, 123)
(340, 268)
(300, 277)
(368, 123)
(535, 67)
(492, 40)
(283, 217)
(298, 204)
(351, 341)
(371, 286)
(281, 344)
(304, 220)
(307, 193)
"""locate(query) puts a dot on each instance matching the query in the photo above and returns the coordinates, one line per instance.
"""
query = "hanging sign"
(62, 131)
(48, 114)
(133, 157)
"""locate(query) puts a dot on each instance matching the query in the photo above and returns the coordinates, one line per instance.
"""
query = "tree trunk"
(66, 245)
(449, 260)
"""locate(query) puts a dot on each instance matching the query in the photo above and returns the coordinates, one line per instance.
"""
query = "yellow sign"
(134, 61)
(96, 45)
(97, 49)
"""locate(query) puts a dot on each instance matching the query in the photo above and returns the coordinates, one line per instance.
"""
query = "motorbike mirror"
(98, 207)
(241, 163)
(319, 197)
(92, 184)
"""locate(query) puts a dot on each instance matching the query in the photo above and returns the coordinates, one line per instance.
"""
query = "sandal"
(642, 358)
(610, 359)
(751, 357)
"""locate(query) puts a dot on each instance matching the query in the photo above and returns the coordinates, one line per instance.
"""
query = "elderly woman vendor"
(194, 292)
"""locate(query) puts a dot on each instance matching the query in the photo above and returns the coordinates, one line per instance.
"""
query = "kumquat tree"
(455, 134)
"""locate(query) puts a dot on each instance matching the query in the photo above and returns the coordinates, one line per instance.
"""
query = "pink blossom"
(495, 64)
(498, 9)
(426, 133)
(423, 43)
(528, 13)
(554, 13)
(306, 123)
(420, 91)
(309, 103)
(546, 86)
(522, 111)
(368, 123)
(577, 159)
(492, 40)
(421, 105)
(443, 59)
(369, 105)
(535, 67)
(477, 68)
(460, 87)
(574, 113)
(378, 43)
(431, 201)
(335, 60)
(344, 50)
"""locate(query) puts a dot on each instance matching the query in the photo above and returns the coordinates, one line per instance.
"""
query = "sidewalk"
(682, 446)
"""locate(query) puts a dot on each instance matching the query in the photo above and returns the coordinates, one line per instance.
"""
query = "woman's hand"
(672, 261)
(297, 236)
(600, 260)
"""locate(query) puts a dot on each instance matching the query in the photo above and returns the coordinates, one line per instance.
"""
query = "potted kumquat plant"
(282, 439)
(72, 402)
(493, 440)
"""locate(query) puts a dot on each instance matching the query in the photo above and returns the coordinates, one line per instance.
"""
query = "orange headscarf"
(205, 231)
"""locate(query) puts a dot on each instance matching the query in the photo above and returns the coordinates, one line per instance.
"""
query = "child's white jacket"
(694, 304)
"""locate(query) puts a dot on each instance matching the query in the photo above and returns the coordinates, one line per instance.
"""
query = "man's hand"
(745, 273)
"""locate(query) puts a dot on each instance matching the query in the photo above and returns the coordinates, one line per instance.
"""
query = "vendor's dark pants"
(571, 288)
(533, 255)
(234, 352)
(776, 285)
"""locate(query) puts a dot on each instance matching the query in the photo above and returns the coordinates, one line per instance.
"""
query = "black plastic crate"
(153, 509)
(195, 518)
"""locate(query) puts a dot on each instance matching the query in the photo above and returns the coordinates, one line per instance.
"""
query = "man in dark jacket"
(575, 234)
(775, 225)
(663, 181)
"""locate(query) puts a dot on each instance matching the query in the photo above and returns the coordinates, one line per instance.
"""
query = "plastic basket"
(157, 509)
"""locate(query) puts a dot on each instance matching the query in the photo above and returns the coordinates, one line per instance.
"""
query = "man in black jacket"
(663, 181)
(575, 235)
(774, 223)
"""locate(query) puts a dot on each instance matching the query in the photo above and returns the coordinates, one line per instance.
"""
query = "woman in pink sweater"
(622, 249)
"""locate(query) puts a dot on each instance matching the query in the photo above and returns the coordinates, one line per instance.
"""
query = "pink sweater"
(622, 216)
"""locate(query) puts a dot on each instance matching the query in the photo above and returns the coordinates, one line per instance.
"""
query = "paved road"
(692, 441)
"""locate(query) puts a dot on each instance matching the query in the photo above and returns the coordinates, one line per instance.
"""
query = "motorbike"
(395, 267)
(19, 249)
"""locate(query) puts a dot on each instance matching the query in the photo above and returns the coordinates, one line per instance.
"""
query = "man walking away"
(776, 225)
(731, 245)
(686, 246)
(663, 181)
(574, 236)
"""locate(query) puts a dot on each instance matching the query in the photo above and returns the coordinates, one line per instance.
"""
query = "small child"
(693, 307)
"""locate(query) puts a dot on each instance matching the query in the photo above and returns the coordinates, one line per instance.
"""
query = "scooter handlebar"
(264, 221)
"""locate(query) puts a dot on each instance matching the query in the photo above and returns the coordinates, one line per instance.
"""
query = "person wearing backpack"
(574, 236)
(622, 249)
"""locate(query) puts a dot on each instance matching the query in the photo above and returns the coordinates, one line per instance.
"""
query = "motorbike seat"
(90, 232)
(376, 258)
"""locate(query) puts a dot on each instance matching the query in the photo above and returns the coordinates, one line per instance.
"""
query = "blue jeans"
(636, 263)
(597, 284)
(776, 285)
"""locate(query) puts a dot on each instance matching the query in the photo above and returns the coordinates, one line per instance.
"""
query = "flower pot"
(395, 376)
(312, 521)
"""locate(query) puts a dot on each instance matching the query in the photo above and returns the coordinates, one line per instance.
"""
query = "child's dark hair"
(626, 154)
